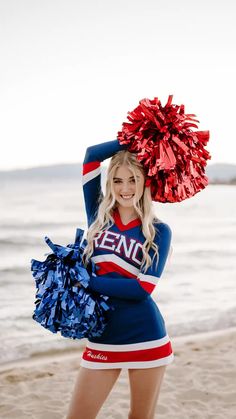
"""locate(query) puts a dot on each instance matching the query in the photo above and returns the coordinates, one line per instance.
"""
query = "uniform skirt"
(135, 337)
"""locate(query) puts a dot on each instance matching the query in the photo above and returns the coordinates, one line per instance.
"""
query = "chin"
(125, 204)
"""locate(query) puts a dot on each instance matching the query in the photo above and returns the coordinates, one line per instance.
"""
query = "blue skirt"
(135, 337)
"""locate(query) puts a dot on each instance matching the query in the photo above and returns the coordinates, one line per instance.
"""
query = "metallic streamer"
(61, 305)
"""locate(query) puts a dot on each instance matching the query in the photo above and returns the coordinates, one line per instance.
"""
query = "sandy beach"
(200, 383)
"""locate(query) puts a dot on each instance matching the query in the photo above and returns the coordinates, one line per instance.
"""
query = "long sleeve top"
(117, 251)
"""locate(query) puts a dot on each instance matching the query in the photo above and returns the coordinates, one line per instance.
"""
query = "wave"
(19, 241)
(222, 320)
(34, 240)
(37, 225)
(19, 270)
(17, 348)
(210, 253)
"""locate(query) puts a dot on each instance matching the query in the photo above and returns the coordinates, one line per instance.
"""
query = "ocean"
(196, 292)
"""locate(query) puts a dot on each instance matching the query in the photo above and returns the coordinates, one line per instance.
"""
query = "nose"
(126, 187)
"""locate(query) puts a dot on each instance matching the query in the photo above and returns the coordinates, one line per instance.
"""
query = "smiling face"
(125, 187)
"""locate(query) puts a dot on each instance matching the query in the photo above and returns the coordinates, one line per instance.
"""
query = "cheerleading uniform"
(135, 335)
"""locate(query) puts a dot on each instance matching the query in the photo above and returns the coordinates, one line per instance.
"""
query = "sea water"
(196, 292)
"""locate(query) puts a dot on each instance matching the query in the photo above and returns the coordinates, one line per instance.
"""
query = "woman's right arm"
(140, 287)
(92, 174)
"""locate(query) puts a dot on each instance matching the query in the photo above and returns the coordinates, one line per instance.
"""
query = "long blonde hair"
(107, 204)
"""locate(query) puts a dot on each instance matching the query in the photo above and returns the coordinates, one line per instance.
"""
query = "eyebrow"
(131, 177)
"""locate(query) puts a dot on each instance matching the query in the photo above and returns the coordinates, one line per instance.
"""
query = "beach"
(200, 383)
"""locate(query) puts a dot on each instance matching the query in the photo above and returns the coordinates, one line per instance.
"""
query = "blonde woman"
(129, 246)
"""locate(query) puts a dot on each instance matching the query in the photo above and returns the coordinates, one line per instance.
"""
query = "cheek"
(141, 189)
(116, 189)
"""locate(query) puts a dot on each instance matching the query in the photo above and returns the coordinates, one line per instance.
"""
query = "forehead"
(124, 172)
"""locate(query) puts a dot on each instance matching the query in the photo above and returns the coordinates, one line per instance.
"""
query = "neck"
(127, 214)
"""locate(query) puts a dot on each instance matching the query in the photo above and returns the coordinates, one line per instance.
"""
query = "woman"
(129, 247)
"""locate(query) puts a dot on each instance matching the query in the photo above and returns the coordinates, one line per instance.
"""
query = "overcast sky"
(71, 70)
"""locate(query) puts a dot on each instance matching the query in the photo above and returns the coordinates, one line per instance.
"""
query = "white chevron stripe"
(148, 278)
(110, 257)
(91, 175)
(129, 365)
(129, 347)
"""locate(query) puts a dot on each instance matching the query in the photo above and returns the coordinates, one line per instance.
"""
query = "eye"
(119, 181)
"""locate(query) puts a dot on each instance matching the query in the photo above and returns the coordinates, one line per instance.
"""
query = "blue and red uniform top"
(135, 336)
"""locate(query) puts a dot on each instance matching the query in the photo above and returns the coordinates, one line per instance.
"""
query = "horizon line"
(79, 162)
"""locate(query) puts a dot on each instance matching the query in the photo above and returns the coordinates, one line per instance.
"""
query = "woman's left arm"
(150, 278)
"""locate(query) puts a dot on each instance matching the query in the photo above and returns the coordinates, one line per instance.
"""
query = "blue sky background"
(71, 70)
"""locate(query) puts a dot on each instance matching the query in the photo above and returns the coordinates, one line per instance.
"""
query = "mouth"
(127, 197)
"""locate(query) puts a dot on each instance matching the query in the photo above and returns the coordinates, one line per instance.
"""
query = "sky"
(71, 71)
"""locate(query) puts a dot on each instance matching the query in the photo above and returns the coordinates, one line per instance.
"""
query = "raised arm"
(140, 287)
(92, 174)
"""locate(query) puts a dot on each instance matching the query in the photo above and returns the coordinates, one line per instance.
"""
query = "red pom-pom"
(172, 154)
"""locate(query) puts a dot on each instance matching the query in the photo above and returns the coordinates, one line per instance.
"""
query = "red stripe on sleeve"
(147, 286)
(89, 167)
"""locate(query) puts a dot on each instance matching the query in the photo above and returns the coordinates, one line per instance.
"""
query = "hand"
(77, 284)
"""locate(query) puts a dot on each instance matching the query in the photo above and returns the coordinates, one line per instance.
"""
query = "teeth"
(126, 196)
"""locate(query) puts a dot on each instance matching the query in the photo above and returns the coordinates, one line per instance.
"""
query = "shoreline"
(67, 353)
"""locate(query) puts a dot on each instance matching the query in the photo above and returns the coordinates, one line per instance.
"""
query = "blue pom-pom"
(62, 306)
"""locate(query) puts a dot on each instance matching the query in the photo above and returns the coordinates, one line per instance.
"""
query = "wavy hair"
(107, 204)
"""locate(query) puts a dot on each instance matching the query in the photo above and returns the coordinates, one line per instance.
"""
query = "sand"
(200, 383)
